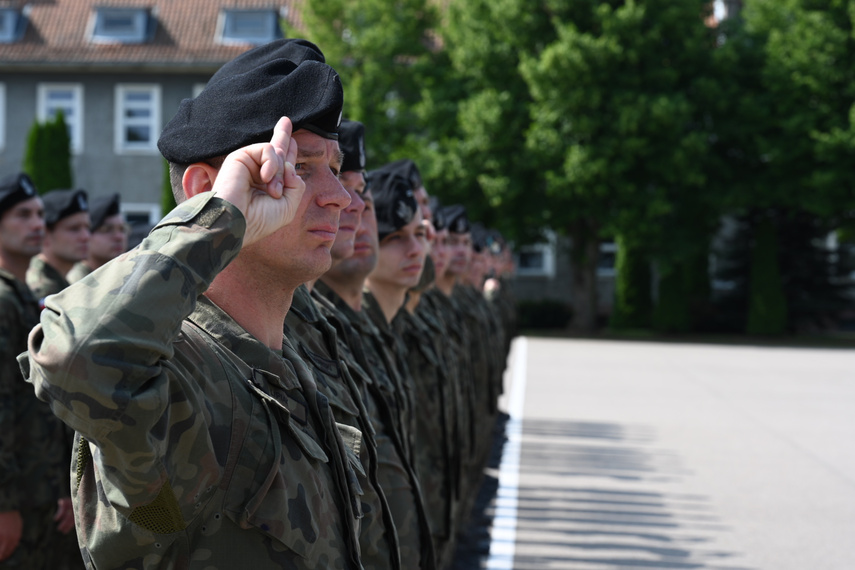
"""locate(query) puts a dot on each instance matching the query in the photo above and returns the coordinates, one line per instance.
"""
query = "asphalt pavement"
(641, 455)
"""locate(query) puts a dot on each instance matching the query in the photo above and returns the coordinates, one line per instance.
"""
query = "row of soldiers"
(207, 438)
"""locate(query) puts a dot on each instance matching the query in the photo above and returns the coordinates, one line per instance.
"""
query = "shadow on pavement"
(598, 496)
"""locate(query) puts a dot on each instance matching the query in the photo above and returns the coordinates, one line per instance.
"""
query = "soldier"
(35, 509)
(109, 236)
(204, 441)
(66, 242)
(336, 371)
(339, 294)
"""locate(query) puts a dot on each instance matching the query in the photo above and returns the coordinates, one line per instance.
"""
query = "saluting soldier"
(109, 236)
(66, 241)
(204, 440)
(35, 509)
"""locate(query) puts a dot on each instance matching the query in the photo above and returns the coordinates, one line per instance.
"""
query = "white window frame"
(74, 120)
(121, 122)
(225, 27)
(2, 116)
(136, 35)
(607, 247)
(547, 249)
(151, 209)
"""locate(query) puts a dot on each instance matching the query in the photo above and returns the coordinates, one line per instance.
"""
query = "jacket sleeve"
(103, 355)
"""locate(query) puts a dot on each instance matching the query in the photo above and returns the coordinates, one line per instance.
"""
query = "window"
(12, 24)
(67, 97)
(137, 118)
(198, 88)
(141, 217)
(121, 25)
(253, 27)
(2, 116)
(606, 261)
(537, 260)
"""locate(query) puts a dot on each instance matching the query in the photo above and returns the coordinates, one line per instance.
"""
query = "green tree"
(633, 299)
(167, 198)
(381, 50)
(785, 131)
(617, 125)
(48, 156)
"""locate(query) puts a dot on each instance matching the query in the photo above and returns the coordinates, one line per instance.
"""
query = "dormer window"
(254, 27)
(12, 24)
(122, 25)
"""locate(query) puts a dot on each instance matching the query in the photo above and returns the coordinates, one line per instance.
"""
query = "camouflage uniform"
(317, 342)
(78, 272)
(396, 472)
(435, 449)
(43, 279)
(203, 447)
(33, 470)
(448, 314)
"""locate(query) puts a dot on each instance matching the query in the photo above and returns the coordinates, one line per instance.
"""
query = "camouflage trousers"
(42, 546)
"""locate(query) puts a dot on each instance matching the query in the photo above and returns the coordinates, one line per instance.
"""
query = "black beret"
(406, 168)
(394, 202)
(242, 109)
(293, 49)
(59, 204)
(479, 237)
(439, 221)
(101, 208)
(456, 219)
(351, 141)
(14, 189)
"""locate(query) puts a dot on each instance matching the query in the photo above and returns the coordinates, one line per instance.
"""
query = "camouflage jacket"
(33, 448)
(78, 272)
(201, 447)
(43, 279)
(364, 348)
(345, 387)
(435, 419)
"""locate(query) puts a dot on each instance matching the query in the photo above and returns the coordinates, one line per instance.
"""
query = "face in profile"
(68, 239)
(109, 240)
(300, 251)
(460, 253)
(22, 228)
(402, 256)
(354, 183)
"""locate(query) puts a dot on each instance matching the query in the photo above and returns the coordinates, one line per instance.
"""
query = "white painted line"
(503, 535)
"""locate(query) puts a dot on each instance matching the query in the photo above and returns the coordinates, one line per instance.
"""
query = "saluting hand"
(260, 180)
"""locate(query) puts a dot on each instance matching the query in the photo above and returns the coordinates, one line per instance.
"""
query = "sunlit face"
(460, 253)
(402, 256)
(109, 239)
(68, 240)
(300, 251)
(439, 252)
(365, 246)
(354, 182)
(22, 228)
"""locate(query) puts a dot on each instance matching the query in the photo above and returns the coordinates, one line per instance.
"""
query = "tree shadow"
(597, 496)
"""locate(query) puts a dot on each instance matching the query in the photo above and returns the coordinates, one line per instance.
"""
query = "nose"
(357, 204)
(332, 194)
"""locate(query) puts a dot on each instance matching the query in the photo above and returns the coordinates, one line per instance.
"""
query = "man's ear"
(199, 177)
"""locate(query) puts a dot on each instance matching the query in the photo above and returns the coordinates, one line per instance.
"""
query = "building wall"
(559, 285)
(98, 169)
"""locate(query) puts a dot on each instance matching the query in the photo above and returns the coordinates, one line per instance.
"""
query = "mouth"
(326, 233)
(415, 268)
